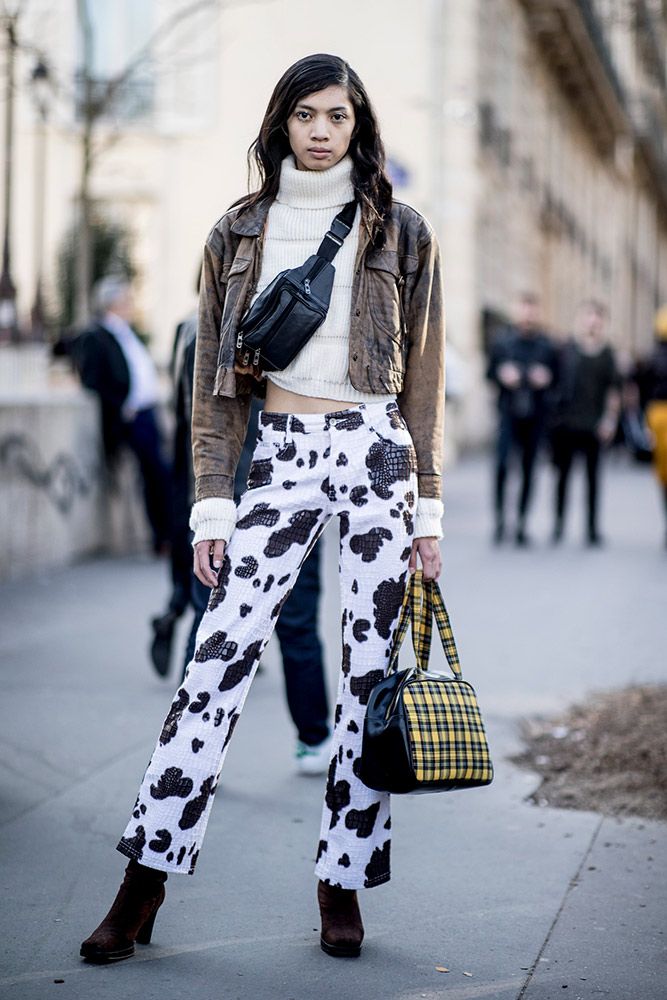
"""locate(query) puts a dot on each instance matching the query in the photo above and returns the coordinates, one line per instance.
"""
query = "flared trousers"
(360, 465)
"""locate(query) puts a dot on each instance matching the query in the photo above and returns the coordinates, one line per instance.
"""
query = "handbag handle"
(421, 603)
(412, 612)
(444, 626)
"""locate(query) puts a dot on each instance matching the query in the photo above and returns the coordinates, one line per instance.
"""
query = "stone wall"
(57, 504)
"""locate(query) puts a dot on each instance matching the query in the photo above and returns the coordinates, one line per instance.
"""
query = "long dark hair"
(308, 76)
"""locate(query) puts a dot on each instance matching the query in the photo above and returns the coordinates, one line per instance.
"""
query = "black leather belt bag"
(288, 312)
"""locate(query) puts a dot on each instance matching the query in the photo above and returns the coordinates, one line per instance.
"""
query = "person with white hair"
(113, 363)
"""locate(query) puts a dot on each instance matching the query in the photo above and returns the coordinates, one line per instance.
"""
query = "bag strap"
(421, 603)
(410, 613)
(444, 627)
(340, 227)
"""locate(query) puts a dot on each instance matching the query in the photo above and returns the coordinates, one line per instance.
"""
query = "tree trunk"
(83, 270)
(84, 267)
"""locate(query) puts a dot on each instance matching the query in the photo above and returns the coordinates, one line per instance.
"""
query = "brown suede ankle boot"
(131, 917)
(342, 929)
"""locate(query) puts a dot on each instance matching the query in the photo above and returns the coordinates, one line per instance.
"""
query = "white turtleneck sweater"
(303, 210)
(306, 204)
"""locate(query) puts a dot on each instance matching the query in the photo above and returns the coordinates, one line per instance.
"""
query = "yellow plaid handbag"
(423, 732)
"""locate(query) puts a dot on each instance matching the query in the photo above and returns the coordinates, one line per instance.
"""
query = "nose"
(320, 129)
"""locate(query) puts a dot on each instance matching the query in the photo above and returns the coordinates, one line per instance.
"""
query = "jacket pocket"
(384, 288)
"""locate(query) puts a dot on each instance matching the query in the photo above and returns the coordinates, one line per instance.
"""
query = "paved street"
(517, 902)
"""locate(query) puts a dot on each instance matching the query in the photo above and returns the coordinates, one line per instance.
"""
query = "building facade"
(530, 132)
(554, 168)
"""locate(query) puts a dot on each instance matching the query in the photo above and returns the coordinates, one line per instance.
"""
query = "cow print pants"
(359, 464)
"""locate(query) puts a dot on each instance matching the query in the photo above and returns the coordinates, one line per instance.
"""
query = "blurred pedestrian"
(522, 364)
(115, 364)
(632, 434)
(656, 407)
(587, 411)
(186, 590)
(353, 427)
(296, 628)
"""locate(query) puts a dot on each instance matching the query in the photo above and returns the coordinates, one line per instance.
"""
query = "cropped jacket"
(397, 340)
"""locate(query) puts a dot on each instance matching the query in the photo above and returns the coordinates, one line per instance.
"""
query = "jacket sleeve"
(218, 422)
(494, 360)
(95, 370)
(422, 399)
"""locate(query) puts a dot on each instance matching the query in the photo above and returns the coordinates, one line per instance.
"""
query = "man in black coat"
(522, 363)
(586, 412)
(114, 364)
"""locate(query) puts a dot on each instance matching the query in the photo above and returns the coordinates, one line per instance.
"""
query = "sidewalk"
(532, 903)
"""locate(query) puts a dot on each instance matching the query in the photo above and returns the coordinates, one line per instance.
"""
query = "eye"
(339, 116)
(302, 116)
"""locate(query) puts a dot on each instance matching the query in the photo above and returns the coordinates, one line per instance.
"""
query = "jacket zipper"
(400, 281)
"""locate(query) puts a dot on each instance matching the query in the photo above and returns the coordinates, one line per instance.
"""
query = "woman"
(352, 427)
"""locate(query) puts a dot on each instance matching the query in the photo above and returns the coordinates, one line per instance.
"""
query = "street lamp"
(8, 316)
(41, 93)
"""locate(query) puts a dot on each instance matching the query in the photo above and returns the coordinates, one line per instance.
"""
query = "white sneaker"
(313, 760)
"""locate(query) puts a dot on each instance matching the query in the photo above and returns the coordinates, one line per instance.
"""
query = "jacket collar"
(251, 221)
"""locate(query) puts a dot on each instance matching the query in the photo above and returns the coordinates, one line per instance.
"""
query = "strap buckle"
(337, 240)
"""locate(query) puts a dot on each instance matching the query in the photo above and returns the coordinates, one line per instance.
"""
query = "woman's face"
(320, 128)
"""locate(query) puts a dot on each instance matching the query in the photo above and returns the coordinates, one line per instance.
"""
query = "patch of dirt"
(607, 755)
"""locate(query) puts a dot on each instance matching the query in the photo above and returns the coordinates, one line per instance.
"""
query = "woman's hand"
(429, 553)
(202, 560)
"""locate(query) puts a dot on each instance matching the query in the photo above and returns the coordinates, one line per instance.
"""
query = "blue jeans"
(143, 436)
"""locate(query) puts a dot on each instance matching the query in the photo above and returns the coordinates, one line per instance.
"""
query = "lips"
(315, 150)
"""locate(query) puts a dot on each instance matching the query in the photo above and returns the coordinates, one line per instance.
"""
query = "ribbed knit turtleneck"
(330, 188)
(304, 208)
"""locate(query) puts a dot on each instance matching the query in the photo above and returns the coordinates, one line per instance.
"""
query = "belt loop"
(366, 417)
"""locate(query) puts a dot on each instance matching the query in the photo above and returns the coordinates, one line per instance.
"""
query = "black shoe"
(499, 532)
(522, 539)
(163, 627)
(595, 540)
(557, 535)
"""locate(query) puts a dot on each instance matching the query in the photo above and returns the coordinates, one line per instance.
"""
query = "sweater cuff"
(213, 519)
(428, 518)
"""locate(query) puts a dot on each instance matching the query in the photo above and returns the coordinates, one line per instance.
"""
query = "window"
(119, 31)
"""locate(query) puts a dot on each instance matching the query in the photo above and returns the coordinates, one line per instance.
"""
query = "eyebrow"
(340, 107)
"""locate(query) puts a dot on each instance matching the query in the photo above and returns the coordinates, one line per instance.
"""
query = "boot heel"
(145, 932)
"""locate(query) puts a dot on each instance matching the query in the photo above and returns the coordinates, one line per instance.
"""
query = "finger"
(202, 564)
(429, 565)
(412, 562)
(432, 562)
(218, 553)
(204, 573)
(435, 568)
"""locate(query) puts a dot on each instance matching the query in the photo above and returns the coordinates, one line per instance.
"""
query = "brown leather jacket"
(397, 340)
